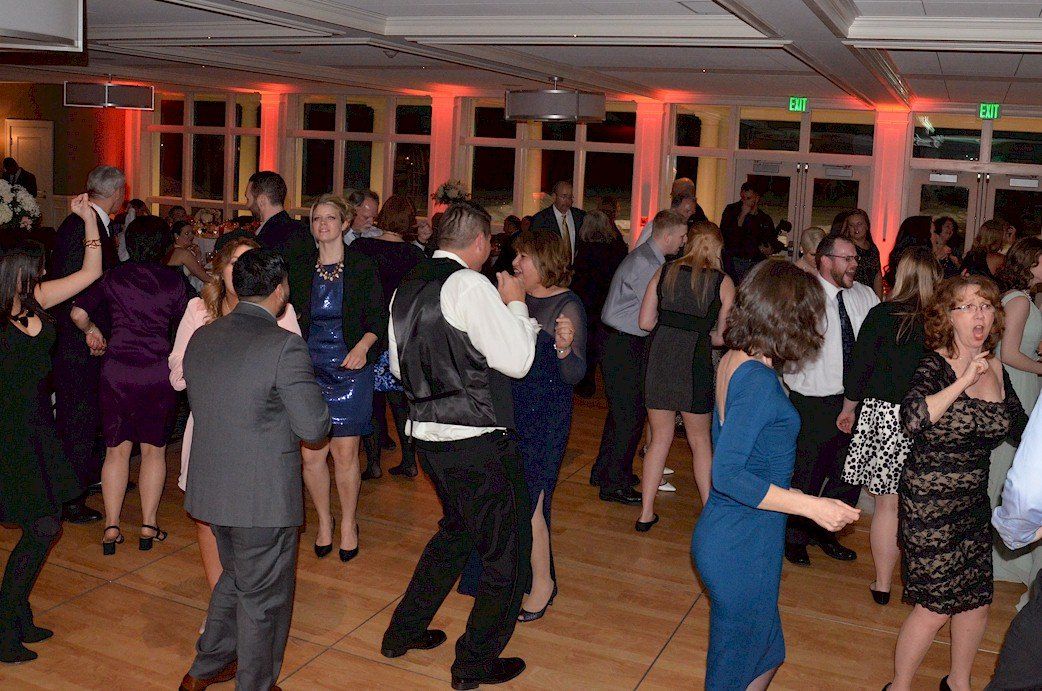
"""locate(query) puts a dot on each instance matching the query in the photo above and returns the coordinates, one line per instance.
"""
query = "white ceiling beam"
(658, 42)
(951, 30)
(838, 15)
(293, 14)
(194, 31)
(647, 27)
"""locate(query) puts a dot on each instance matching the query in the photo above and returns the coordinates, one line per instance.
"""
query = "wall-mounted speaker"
(93, 95)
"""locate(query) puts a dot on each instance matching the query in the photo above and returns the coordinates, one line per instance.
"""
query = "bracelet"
(92, 243)
(561, 351)
(92, 329)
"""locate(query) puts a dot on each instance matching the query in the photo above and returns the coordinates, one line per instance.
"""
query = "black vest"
(446, 379)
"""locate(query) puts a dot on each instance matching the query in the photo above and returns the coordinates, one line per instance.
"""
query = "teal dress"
(736, 546)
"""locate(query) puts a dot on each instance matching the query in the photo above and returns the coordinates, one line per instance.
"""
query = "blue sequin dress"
(348, 393)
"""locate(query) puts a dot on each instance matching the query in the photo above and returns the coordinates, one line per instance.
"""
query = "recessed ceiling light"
(286, 51)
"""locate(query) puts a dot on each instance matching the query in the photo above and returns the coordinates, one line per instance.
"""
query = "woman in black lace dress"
(960, 406)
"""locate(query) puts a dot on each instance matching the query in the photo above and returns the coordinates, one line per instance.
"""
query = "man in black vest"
(454, 342)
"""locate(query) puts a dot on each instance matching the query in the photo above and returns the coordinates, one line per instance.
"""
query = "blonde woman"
(685, 307)
(889, 347)
(216, 299)
(809, 240)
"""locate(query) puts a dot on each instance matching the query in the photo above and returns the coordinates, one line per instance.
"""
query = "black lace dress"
(944, 511)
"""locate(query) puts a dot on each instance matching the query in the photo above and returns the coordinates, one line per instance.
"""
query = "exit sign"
(798, 104)
(989, 111)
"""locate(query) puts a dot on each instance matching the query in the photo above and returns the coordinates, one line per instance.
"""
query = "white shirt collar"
(831, 291)
(438, 254)
(104, 216)
(557, 212)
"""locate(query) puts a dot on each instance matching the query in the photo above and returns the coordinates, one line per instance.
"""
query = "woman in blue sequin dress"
(343, 316)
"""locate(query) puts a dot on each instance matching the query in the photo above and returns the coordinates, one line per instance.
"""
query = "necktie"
(847, 331)
(566, 235)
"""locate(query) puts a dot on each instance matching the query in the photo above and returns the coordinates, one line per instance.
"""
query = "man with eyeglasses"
(816, 391)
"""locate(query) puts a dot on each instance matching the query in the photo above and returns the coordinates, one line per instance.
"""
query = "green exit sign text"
(989, 111)
(798, 104)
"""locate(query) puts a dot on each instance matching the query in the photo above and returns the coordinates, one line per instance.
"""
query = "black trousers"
(821, 450)
(483, 495)
(1020, 661)
(594, 352)
(75, 376)
(623, 368)
(23, 567)
(400, 413)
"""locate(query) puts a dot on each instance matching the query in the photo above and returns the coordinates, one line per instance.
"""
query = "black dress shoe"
(404, 470)
(882, 597)
(431, 638)
(645, 526)
(626, 495)
(372, 471)
(499, 671)
(79, 513)
(12, 652)
(797, 554)
(835, 550)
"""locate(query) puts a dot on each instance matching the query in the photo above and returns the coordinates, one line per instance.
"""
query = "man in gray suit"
(253, 392)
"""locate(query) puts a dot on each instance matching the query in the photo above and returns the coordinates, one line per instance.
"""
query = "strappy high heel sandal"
(145, 543)
(108, 547)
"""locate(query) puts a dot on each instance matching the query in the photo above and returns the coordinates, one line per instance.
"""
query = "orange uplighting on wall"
(889, 166)
(647, 165)
(269, 136)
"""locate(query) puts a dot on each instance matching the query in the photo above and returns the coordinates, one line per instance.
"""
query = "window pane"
(247, 161)
(492, 180)
(206, 214)
(829, 197)
(552, 167)
(609, 174)
(949, 137)
(1020, 208)
(769, 135)
(617, 128)
(247, 110)
(320, 116)
(316, 164)
(775, 192)
(171, 165)
(842, 132)
(1017, 140)
(172, 111)
(209, 111)
(363, 167)
(208, 166)
(552, 131)
(412, 174)
(710, 178)
(702, 126)
(490, 122)
(412, 119)
(945, 200)
(366, 115)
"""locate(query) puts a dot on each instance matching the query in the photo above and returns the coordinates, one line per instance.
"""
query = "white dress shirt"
(504, 334)
(105, 220)
(823, 376)
(571, 225)
(1020, 515)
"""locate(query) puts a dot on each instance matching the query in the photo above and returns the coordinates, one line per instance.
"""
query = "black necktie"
(847, 331)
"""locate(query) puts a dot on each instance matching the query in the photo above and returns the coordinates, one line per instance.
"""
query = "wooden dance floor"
(630, 614)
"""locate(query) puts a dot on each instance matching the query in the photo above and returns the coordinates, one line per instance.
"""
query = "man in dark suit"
(75, 374)
(561, 218)
(748, 233)
(254, 395)
(266, 197)
(16, 175)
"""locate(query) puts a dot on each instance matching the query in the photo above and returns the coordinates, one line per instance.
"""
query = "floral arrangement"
(451, 192)
(216, 230)
(18, 208)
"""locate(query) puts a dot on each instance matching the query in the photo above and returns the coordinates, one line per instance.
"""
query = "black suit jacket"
(282, 232)
(25, 179)
(67, 258)
(547, 220)
(364, 309)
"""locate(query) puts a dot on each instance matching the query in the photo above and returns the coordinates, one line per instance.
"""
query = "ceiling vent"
(554, 105)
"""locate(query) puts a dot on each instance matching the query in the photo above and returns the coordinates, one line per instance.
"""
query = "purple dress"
(145, 302)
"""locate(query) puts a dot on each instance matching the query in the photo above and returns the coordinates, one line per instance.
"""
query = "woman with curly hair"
(960, 406)
(216, 299)
(739, 539)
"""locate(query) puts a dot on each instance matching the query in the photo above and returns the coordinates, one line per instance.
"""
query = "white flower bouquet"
(451, 192)
(18, 208)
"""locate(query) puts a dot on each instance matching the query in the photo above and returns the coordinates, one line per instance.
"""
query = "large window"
(349, 143)
(204, 148)
(945, 136)
(511, 168)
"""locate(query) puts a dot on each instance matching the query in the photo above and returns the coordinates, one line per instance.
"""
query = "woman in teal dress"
(740, 534)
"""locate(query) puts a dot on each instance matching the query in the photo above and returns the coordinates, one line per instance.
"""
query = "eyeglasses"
(847, 257)
(983, 308)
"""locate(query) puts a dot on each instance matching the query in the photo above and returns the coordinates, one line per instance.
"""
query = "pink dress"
(195, 317)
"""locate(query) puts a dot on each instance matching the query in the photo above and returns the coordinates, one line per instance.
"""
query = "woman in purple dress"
(145, 300)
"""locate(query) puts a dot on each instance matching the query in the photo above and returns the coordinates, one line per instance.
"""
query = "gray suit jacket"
(254, 398)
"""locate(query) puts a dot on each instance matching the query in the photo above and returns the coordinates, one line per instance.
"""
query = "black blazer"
(67, 258)
(364, 308)
(282, 232)
(24, 179)
(547, 220)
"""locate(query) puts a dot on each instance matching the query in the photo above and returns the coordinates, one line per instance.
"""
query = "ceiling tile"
(983, 64)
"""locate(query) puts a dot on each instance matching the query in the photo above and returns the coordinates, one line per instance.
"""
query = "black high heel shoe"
(882, 597)
(108, 547)
(944, 684)
(347, 555)
(525, 616)
(404, 470)
(645, 526)
(324, 550)
(145, 543)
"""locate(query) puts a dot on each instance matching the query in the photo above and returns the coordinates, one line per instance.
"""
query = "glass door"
(953, 193)
(775, 181)
(1016, 199)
